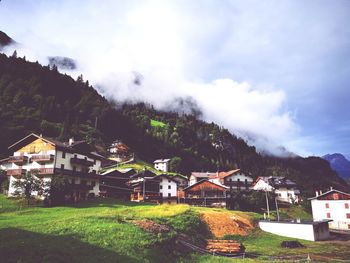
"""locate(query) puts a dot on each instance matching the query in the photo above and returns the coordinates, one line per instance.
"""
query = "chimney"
(331, 188)
(320, 192)
(71, 141)
(316, 193)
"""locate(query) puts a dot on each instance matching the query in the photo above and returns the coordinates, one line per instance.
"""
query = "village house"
(332, 205)
(234, 179)
(162, 165)
(147, 186)
(46, 157)
(144, 187)
(205, 193)
(120, 152)
(114, 183)
(168, 188)
(285, 189)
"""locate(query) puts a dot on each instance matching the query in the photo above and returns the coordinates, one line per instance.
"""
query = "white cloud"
(173, 45)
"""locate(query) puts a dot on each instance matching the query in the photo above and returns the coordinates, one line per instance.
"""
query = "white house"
(120, 152)
(47, 157)
(332, 205)
(234, 179)
(162, 165)
(285, 189)
(167, 187)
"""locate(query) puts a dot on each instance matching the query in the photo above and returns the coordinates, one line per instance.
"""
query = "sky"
(276, 73)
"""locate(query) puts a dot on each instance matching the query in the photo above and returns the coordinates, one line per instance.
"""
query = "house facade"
(162, 165)
(205, 193)
(168, 188)
(234, 180)
(120, 152)
(46, 157)
(285, 189)
(332, 205)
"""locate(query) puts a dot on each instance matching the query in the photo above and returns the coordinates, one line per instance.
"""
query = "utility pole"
(278, 213)
(267, 205)
(144, 188)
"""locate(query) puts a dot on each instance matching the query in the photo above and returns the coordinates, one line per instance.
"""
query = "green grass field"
(155, 123)
(101, 231)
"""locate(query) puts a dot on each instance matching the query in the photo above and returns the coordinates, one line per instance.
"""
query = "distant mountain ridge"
(339, 164)
(5, 40)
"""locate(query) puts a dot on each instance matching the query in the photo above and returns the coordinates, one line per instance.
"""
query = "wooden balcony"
(16, 172)
(43, 171)
(42, 158)
(77, 173)
(18, 159)
(81, 161)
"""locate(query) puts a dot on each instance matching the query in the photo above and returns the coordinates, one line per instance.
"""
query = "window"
(93, 183)
(74, 168)
(348, 215)
(348, 226)
(328, 215)
(346, 205)
(62, 166)
(63, 155)
(169, 181)
(160, 187)
(169, 186)
(169, 194)
(327, 205)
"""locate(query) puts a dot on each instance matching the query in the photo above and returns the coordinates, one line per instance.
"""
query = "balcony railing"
(16, 172)
(42, 158)
(18, 159)
(81, 161)
(77, 173)
(43, 171)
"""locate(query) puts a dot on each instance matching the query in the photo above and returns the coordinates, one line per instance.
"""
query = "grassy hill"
(104, 231)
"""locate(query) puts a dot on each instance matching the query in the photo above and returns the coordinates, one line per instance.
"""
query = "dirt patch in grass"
(151, 226)
(221, 223)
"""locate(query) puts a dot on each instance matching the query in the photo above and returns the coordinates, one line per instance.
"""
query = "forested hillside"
(35, 98)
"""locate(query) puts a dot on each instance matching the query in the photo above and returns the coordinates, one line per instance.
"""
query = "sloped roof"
(277, 181)
(329, 192)
(162, 161)
(202, 175)
(62, 145)
(222, 175)
(206, 180)
(167, 176)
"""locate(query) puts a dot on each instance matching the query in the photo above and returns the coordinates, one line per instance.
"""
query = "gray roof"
(161, 161)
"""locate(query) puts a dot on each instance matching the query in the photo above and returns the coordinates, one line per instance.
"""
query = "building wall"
(164, 187)
(296, 230)
(239, 177)
(161, 166)
(286, 195)
(335, 210)
(261, 185)
(40, 147)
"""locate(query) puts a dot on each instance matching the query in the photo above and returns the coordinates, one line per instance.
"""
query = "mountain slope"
(38, 99)
(5, 40)
(339, 164)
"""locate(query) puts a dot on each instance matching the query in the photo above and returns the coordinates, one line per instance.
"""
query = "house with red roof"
(332, 205)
